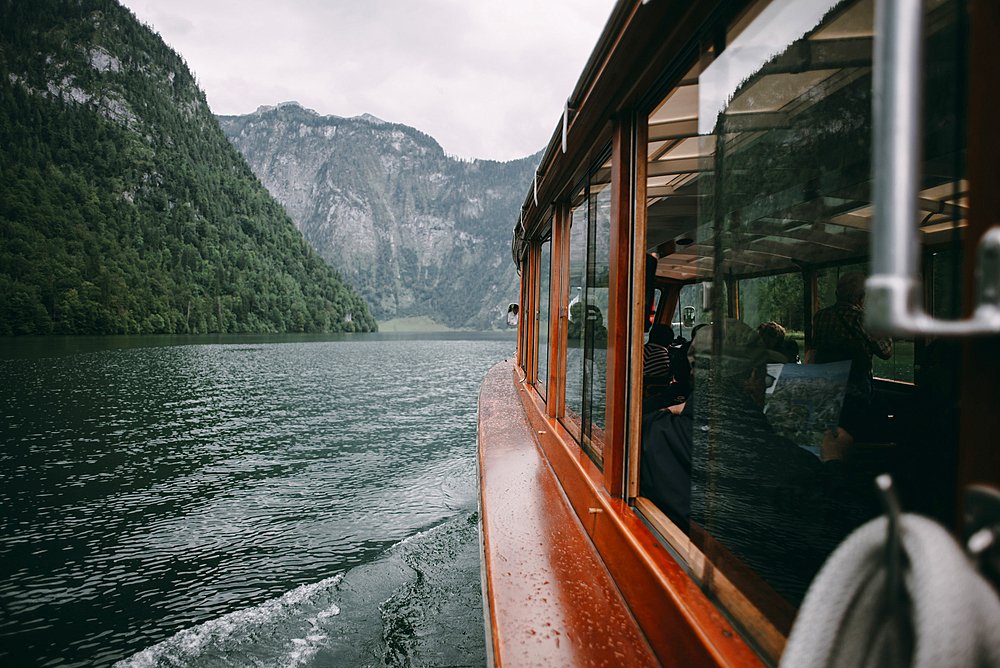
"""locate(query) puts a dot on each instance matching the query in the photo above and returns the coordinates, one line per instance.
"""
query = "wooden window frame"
(544, 385)
(620, 278)
(531, 322)
(640, 132)
(559, 327)
(979, 458)
(596, 443)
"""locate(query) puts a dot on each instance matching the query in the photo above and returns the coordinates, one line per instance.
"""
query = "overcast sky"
(485, 78)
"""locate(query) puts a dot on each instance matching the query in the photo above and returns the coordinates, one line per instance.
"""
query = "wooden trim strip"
(767, 625)
(638, 320)
(619, 360)
(556, 377)
(550, 600)
(979, 456)
(682, 626)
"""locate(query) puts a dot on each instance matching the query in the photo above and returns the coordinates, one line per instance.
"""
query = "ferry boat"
(727, 169)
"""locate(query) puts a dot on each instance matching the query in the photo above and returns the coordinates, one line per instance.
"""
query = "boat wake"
(418, 603)
(287, 631)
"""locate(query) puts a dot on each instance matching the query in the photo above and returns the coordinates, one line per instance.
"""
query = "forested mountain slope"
(123, 206)
(415, 231)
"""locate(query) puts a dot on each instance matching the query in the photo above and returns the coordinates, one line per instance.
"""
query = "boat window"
(531, 347)
(526, 320)
(587, 297)
(542, 317)
(690, 312)
(772, 305)
(759, 202)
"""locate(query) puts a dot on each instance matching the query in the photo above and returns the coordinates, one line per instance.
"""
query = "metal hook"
(890, 503)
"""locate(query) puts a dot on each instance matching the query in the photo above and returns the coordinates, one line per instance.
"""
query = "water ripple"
(147, 490)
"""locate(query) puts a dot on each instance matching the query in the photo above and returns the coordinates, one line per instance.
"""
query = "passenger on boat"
(774, 505)
(665, 462)
(772, 335)
(783, 350)
(839, 334)
(656, 353)
(662, 391)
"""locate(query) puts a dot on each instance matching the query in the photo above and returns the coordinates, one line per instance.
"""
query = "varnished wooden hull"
(571, 575)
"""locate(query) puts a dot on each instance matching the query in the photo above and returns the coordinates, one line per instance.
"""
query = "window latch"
(894, 303)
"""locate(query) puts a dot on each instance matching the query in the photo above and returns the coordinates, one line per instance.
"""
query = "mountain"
(123, 206)
(415, 231)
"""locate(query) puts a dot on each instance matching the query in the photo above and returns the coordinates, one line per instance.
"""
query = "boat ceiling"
(782, 231)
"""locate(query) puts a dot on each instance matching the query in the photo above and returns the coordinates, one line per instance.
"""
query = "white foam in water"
(305, 648)
(330, 612)
(269, 628)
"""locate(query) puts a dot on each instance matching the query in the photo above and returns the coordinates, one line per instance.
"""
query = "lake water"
(241, 501)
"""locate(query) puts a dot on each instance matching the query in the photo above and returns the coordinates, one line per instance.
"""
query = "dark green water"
(266, 501)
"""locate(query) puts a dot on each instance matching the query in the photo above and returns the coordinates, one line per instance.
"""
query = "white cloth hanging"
(949, 616)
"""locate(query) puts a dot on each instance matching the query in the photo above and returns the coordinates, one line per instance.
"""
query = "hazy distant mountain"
(123, 207)
(415, 231)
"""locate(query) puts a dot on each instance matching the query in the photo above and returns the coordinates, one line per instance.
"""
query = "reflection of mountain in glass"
(805, 400)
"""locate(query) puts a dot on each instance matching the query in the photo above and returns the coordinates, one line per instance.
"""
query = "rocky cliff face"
(415, 231)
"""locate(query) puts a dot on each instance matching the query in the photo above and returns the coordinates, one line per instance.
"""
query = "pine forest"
(123, 206)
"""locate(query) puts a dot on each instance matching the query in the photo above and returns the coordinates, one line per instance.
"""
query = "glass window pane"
(773, 305)
(789, 152)
(791, 187)
(544, 282)
(587, 295)
(597, 301)
(759, 183)
(525, 321)
(576, 327)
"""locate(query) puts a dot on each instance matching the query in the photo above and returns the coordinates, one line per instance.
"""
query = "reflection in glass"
(597, 299)
(576, 327)
(587, 296)
(791, 188)
(771, 203)
(544, 282)
(791, 164)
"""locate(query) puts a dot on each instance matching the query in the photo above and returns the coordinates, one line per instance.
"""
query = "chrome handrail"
(894, 292)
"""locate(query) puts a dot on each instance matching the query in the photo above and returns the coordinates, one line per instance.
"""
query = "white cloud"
(486, 78)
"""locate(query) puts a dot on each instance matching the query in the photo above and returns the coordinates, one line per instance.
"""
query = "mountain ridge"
(417, 232)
